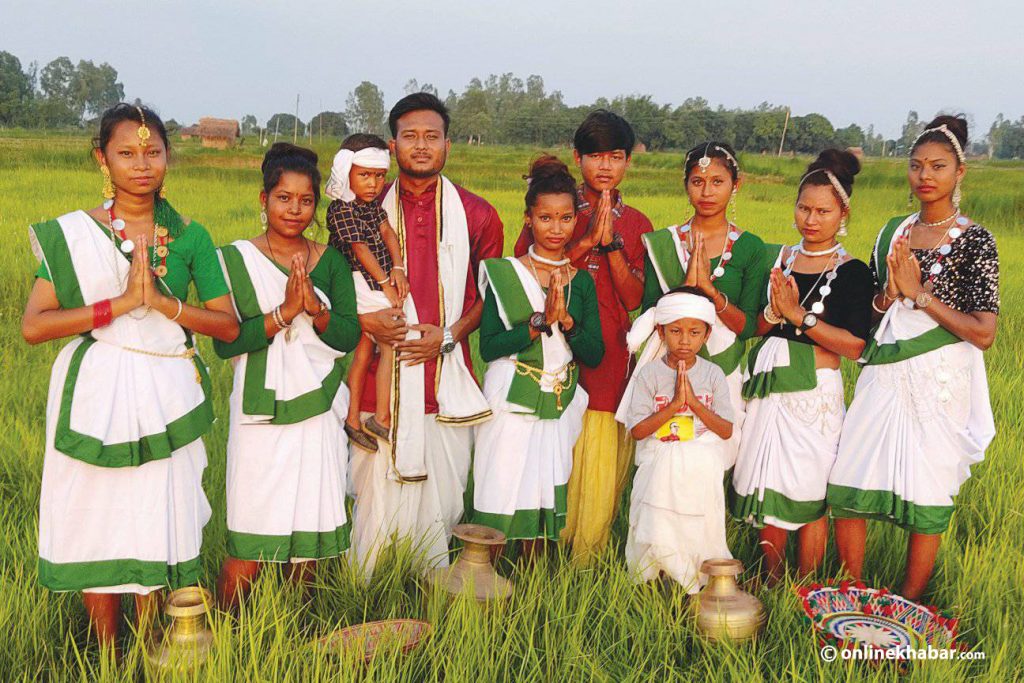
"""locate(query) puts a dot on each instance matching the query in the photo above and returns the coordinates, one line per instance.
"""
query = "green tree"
(330, 123)
(15, 91)
(809, 134)
(851, 136)
(96, 88)
(58, 84)
(364, 109)
(284, 126)
(249, 124)
(912, 128)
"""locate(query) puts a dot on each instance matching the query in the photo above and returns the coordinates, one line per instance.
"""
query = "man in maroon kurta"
(606, 242)
(422, 511)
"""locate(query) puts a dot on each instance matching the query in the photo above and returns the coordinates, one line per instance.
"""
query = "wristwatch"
(616, 244)
(809, 321)
(539, 323)
(923, 300)
(448, 343)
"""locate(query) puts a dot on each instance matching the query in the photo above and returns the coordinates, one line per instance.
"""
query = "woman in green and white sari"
(122, 508)
(921, 415)
(540, 317)
(287, 449)
(733, 278)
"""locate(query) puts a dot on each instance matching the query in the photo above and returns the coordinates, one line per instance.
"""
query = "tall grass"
(563, 623)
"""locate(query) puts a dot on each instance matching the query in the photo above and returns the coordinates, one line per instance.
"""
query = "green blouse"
(333, 276)
(745, 276)
(587, 345)
(191, 257)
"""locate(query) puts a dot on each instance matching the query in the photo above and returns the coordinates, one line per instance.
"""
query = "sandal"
(361, 439)
(375, 429)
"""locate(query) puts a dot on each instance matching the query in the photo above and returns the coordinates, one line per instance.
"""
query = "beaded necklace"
(159, 250)
(836, 259)
(723, 260)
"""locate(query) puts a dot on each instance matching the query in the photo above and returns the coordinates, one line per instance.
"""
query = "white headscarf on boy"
(344, 160)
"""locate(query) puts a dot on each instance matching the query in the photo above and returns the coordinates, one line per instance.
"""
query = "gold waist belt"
(539, 374)
(187, 354)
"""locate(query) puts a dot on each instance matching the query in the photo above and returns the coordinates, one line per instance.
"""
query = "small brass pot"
(473, 572)
(187, 641)
(724, 611)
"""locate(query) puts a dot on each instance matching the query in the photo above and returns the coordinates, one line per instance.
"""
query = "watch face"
(447, 347)
(810, 320)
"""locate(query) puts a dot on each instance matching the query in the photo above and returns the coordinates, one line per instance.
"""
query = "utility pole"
(784, 127)
(295, 128)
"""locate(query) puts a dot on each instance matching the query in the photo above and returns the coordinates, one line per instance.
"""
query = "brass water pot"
(723, 610)
(473, 572)
(187, 642)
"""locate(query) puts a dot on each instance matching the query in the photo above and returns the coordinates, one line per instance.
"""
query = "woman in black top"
(817, 308)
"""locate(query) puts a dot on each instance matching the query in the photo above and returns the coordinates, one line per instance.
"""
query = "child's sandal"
(361, 439)
(376, 429)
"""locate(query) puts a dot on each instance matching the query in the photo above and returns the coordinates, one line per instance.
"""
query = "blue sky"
(864, 62)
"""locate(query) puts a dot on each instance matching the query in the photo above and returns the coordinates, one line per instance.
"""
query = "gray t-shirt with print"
(655, 385)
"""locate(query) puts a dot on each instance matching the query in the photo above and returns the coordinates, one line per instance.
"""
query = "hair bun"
(547, 166)
(957, 125)
(286, 150)
(842, 164)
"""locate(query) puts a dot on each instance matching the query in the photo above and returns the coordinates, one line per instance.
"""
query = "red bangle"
(102, 314)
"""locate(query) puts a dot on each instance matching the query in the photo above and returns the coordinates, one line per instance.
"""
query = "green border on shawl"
(314, 545)
(57, 256)
(257, 399)
(529, 524)
(178, 433)
(728, 359)
(748, 508)
(661, 249)
(799, 375)
(848, 502)
(882, 354)
(882, 244)
(524, 391)
(77, 576)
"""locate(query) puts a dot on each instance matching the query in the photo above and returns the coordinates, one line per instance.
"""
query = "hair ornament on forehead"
(952, 140)
(705, 161)
(836, 185)
(143, 131)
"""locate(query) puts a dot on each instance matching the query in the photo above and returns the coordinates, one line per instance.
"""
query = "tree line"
(501, 109)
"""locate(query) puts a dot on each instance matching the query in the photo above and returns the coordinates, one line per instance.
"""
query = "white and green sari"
(287, 453)
(920, 418)
(122, 507)
(523, 454)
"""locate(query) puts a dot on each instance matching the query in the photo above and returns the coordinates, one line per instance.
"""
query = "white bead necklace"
(546, 261)
(836, 255)
(723, 260)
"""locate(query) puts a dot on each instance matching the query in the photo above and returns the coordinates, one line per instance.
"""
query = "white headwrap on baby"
(344, 160)
(670, 308)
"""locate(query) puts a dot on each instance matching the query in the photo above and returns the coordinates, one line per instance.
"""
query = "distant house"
(189, 132)
(639, 148)
(218, 133)
(857, 152)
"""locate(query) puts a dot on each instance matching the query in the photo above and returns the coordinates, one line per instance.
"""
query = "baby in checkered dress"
(359, 228)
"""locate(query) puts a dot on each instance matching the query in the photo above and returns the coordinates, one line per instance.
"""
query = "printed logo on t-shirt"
(683, 426)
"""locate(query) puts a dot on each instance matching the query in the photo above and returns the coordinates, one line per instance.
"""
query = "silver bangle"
(769, 315)
(181, 307)
(401, 268)
(725, 305)
(877, 309)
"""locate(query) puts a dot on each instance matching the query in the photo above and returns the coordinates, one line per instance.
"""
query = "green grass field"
(563, 624)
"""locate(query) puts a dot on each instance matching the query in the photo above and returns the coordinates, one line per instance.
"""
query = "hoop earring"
(842, 228)
(263, 218)
(108, 184)
(732, 206)
(957, 196)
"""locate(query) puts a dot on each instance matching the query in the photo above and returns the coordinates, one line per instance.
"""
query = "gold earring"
(163, 192)
(108, 185)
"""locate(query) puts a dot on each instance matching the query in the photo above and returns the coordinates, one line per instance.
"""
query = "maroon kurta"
(606, 383)
(486, 240)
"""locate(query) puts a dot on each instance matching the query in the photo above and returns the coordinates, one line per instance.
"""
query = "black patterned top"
(355, 221)
(969, 280)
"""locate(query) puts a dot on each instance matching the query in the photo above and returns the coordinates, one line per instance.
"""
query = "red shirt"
(606, 383)
(486, 240)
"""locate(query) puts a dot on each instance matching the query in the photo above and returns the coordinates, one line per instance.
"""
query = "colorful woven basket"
(853, 615)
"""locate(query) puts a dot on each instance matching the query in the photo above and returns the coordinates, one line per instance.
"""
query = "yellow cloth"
(600, 469)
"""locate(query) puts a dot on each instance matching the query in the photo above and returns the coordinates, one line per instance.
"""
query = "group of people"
(574, 392)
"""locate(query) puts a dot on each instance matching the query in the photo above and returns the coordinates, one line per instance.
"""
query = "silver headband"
(952, 140)
(705, 161)
(836, 185)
